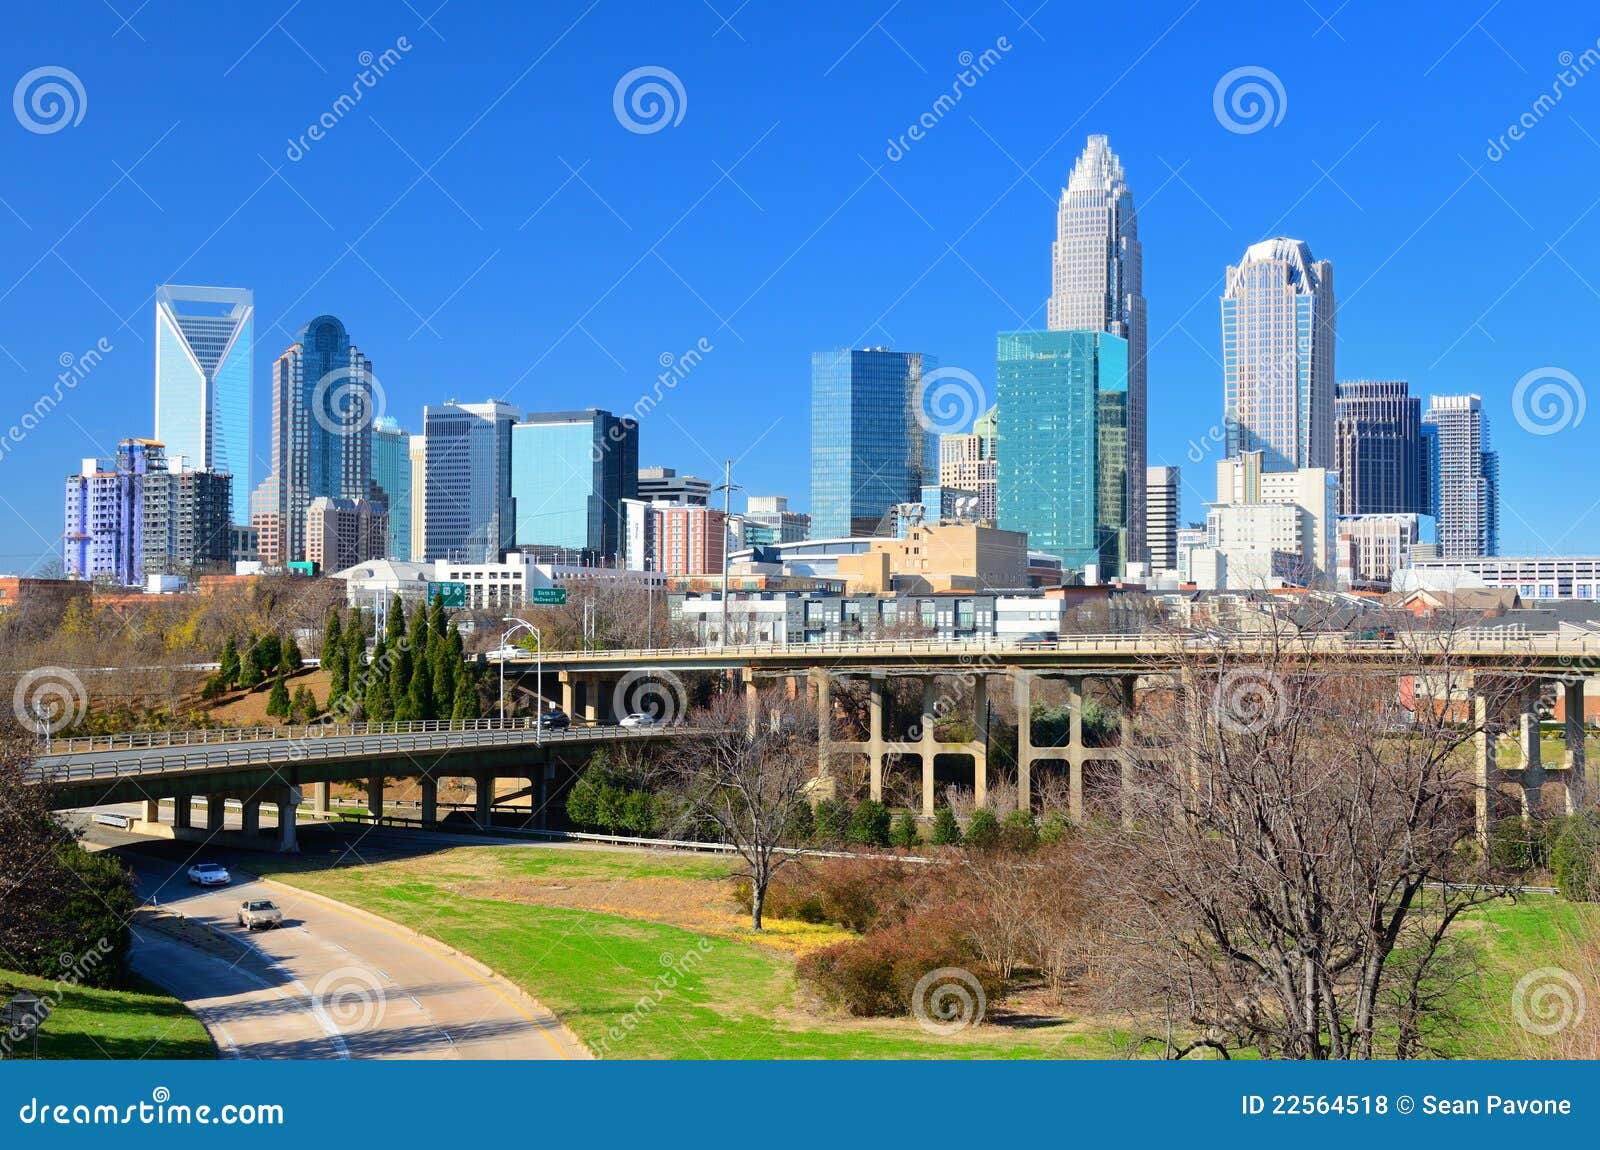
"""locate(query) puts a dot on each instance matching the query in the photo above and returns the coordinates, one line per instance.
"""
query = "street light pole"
(538, 658)
(727, 497)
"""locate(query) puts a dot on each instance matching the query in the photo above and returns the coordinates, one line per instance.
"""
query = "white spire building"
(1096, 284)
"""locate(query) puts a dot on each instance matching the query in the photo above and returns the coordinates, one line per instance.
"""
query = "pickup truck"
(259, 914)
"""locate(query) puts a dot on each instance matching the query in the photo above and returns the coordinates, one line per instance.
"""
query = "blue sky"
(486, 225)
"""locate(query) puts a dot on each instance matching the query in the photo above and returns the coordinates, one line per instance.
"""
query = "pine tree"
(444, 677)
(377, 690)
(466, 701)
(397, 622)
(229, 672)
(355, 639)
(436, 616)
(291, 659)
(420, 687)
(399, 684)
(278, 700)
(334, 660)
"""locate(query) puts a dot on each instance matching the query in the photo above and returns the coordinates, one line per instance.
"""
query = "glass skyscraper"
(1062, 444)
(1097, 284)
(467, 497)
(391, 471)
(1277, 356)
(1378, 449)
(205, 342)
(1464, 477)
(570, 472)
(869, 450)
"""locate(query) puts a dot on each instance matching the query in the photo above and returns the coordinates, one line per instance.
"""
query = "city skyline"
(1417, 204)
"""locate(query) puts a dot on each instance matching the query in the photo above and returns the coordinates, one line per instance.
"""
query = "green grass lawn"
(1515, 939)
(597, 971)
(138, 1023)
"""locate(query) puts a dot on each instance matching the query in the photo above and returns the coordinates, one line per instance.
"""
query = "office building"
(1373, 547)
(1063, 445)
(689, 540)
(1463, 476)
(1277, 356)
(323, 408)
(665, 485)
(1530, 576)
(467, 495)
(935, 557)
(418, 457)
(1097, 284)
(1163, 487)
(341, 533)
(638, 536)
(205, 346)
(570, 472)
(391, 472)
(768, 520)
(1275, 528)
(967, 463)
(1378, 450)
(869, 448)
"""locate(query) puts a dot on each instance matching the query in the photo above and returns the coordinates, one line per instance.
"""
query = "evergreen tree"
(905, 833)
(399, 684)
(436, 617)
(278, 700)
(377, 689)
(946, 831)
(397, 622)
(291, 659)
(229, 672)
(444, 676)
(466, 701)
(420, 688)
(334, 660)
(355, 640)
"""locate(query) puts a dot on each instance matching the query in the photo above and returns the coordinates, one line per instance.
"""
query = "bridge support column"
(321, 799)
(483, 801)
(567, 693)
(875, 734)
(288, 812)
(752, 699)
(1533, 773)
(980, 751)
(1022, 693)
(1129, 761)
(1076, 751)
(216, 812)
(152, 810)
(930, 746)
(1486, 771)
(823, 682)
(591, 699)
(430, 801)
(1573, 758)
(183, 812)
(375, 796)
(250, 816)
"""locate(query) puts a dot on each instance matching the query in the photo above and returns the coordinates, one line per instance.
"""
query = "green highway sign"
(449, 594)
(550, 596)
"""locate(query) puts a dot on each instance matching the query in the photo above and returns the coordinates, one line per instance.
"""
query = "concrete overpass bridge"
(1490, 665)
(274, 765)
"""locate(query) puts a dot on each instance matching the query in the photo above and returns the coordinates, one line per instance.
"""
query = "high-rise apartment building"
(391, 471)
(1162, 487)
(419, 508)
(1097, 284)
(467, 496)
(343, 532)
(689, 540)
(1277, 356)
(1063, 445)
(768, 520)
(967, 463)
(1275, 527)
(323, 409)
(1463, 477)
(205, 344)
(869, 447)
(665, 485)
(570, 472)
(1378, 450)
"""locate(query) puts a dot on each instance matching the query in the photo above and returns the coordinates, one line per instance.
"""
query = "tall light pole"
(538, 658)
(727, 488)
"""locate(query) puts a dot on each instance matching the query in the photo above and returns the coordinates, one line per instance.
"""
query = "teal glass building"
(391, 471)
(570, 472)
(869, 451)
(1062, 444)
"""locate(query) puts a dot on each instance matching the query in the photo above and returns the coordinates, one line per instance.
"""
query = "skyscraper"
(418, 458)
(1277, 356)
(570, 472)
(1097, 284)
(869, 449)
(467, 497)
(1378, 451)
(323, 408)
(967, 462)
(205, 343)
(1063, 444)
(1162, 485)
(1464, 477)
(391, 471)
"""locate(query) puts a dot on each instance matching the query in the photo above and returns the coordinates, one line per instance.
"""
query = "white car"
(638, 719)
(209, 874)
(259, 914)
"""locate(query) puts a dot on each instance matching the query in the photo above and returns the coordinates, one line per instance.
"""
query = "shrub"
(983, 829)
(905, 833)
(278, 700)
(858, 894)
(1018, 831)
(1576, 858)
(802, 826)
(869, 825)
(831, 822)
(215, 687)
(1518, 846)
(877, 976)
(91, 924)
(946, 831)
(1052, 828)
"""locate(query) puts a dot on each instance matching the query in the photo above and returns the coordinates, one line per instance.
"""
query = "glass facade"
(570, 472)
(391, 471)
(1063, 444)
(869, 451)
(467, 495)
(205, 343)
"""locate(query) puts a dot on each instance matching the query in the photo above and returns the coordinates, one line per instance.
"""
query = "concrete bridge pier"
(288, 801)
(1572, 759)
(875, 734)
(1128, 759)
(183, 812)
(375, 796)
(250, 817)
(929, 744)
(483, 800)
(822, 686)
(430, 801)
(216, 812)
(1022, 697)
(321, 799)
(980, 744)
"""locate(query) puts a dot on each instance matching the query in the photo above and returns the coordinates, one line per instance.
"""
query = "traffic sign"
(449, 594)
(550, 596)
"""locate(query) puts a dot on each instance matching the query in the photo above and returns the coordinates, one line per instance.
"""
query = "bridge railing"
(211, 736)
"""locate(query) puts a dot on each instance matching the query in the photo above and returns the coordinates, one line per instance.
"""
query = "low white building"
(1027, 616)
(382, 579)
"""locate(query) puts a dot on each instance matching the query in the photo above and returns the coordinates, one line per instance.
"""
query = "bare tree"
(746, 774)
(1299, 862)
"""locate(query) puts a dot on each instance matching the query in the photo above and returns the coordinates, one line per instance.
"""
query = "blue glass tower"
(868, 449)
(1062, 443)
(570, 472)
(391, 471)
(205, 341)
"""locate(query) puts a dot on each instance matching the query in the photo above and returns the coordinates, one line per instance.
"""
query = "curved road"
(331, 983)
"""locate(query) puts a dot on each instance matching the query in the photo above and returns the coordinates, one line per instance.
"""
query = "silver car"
(259, 914)
(209, 874)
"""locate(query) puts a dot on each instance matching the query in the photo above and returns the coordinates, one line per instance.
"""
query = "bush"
(877, 976)
(91, 925)
(831, 822)
(869, 825)
(1018, 831)
(1519, 846)
(801, 826)
(1576, 858)
(1052, 828)
(858, 894)
(278, 700)
(905, 833)
(946, 831)
(983, 829)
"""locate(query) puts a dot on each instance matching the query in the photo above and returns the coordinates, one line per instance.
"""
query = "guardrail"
(211, 736)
